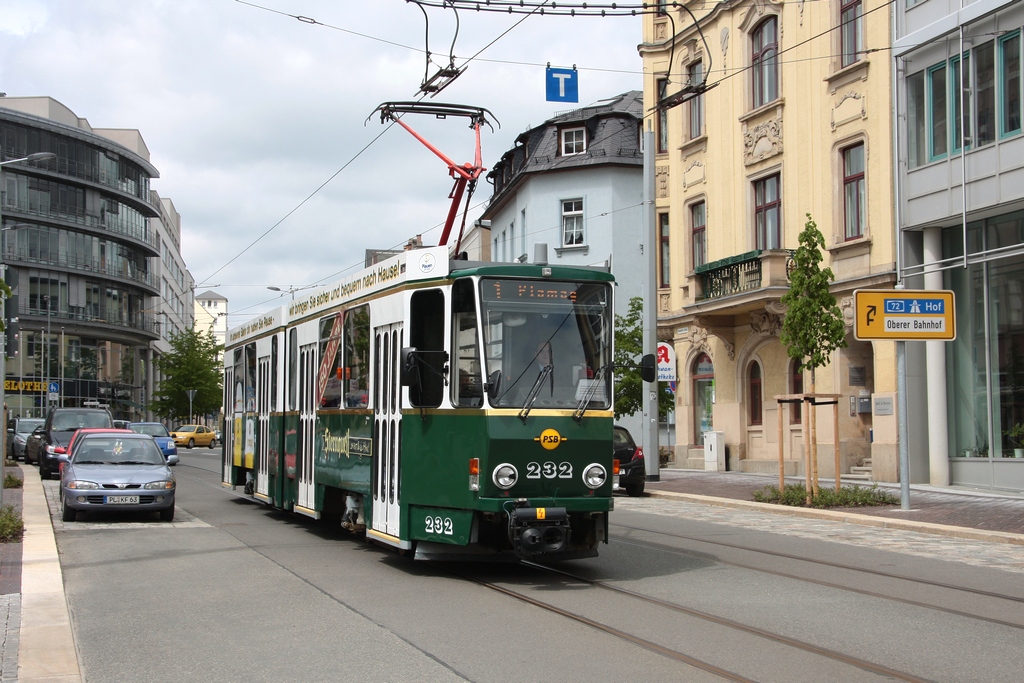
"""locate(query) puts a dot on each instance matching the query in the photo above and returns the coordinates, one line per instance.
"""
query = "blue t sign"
(562, 85)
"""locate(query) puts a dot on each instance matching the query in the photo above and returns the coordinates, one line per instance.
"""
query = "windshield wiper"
(596, 383)
(135, 462)
(89, 462)
(535, 391)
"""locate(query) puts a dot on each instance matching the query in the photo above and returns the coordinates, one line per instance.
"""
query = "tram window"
(356, 357)
(468, 389)
(293, 360)
(250, 377)
(239, 388)
(330, 361)
(426, 335)
(273, 374)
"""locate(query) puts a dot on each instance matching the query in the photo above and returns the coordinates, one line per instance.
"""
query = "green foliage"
(846, 497)
(813, 327)
(192, 363)
(5, 294)
(13, 481)
(11, 524)
(629, 347)
(1016, 435)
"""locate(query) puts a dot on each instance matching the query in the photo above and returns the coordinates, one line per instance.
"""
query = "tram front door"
(387, 420)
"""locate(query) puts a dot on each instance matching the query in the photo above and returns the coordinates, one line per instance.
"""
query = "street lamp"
(31, 158)
(290, 290)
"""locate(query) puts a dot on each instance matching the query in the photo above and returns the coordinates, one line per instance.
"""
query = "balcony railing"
(743, 273)
(85, 265)
(91, 314)
(91, 173)
(107, 222)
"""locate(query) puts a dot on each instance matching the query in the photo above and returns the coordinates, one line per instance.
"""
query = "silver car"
(18, 431)
(116, 472)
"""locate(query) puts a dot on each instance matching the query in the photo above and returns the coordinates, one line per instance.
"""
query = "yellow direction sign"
(904, 315)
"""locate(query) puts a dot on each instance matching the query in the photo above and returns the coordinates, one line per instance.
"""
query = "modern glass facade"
(82, 262)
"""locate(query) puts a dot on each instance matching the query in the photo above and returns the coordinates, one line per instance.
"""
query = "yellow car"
(194, 435)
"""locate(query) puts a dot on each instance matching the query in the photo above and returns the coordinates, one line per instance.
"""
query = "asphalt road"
(232, 591)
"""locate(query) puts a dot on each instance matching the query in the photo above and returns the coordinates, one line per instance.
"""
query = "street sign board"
(54, 387)
(904, 315)
(666, 362)
(562, 85)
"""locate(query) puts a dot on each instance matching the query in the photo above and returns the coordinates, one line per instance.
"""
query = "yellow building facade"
(795, 120)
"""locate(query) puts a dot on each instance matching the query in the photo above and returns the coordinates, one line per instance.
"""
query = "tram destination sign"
(904, 315)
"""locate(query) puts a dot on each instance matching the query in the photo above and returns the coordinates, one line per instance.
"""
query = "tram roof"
(431, 263)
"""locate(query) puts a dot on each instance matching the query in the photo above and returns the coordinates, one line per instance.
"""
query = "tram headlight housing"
(505, 476)
(595, 475)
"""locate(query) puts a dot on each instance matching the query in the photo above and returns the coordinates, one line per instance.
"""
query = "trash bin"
(714, 451)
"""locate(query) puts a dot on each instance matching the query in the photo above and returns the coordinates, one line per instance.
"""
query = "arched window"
(796, 385)
(764, 62)
(703, 374)
(755, 393)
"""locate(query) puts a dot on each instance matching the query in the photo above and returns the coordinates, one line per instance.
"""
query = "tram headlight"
(594, 476)
(505, 476)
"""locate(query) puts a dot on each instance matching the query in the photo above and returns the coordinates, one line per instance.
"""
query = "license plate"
(122, 500)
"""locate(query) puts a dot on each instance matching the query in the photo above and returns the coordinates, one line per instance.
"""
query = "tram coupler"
(536, 530)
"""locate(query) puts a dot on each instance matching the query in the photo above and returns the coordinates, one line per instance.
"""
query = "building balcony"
(736, 275)
(107, 223)
(105, 320)
(103, 269)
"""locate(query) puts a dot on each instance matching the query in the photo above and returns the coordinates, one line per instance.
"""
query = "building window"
(1009, 81)
(851, 32)
(663, 233)
(574, 141)
(767, 207)
(755, 393)
(937, 111)
(696, 73)
(572, 222)
(854, 201)
(796, 383)
(662, 118)
(764, 63)
(961, 120)
(698, 222)
(917, 121)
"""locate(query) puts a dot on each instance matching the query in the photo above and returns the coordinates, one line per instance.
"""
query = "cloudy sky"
(247, 111)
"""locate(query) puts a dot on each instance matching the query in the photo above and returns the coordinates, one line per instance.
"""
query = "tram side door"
(263, 384)
(387, 420)
(228, 442)
(305, 458)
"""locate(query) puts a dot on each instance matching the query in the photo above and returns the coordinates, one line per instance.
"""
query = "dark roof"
(612, 138)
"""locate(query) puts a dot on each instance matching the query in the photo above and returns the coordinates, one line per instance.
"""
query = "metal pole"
(901, 393)
(49, 356)
(648, 221)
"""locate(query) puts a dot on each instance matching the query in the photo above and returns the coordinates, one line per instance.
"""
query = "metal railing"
(91, 173)
(107, 222)
(88, 266)
(91, 314)
(727, 276)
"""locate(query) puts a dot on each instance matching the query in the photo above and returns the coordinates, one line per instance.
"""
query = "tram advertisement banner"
(236, 455)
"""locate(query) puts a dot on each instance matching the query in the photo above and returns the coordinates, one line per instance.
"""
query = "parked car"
(632, 473)
(121, 472)
(77, 437)
(122, 424)
(18, 431)
(161, 436)
(60, 426)
(194, 435)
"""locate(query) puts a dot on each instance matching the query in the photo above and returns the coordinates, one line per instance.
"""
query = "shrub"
(845, 497)
(13, 481)
(11, 524)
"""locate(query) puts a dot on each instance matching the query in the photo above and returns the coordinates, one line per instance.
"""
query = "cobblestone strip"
(10, 615)
(1003, 556)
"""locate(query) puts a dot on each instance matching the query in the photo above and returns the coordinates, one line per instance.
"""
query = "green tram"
(454, 409)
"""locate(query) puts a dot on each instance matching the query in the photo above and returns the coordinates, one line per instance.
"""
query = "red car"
(69, 449)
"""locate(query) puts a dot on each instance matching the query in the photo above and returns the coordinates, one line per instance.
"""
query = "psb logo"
(550, 439)
(427, 263)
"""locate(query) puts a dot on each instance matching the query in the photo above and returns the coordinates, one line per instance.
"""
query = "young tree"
(629, 347)
(191, 364)
(813, 327)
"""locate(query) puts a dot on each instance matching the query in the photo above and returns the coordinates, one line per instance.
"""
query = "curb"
(46, 650)
(848, 518)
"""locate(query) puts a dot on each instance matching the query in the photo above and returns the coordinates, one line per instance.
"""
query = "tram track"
(810, 560)
(669, 652)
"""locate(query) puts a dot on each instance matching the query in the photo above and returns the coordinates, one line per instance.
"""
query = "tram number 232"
(439, 525)
(549, 470)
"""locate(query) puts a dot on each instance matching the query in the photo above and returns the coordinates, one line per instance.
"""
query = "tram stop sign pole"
(903, 315)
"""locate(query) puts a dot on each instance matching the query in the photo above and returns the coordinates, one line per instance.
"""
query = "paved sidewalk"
(954, 512)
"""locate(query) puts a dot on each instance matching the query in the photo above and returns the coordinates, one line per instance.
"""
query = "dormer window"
(574, 141)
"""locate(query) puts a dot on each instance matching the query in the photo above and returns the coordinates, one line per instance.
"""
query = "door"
(306, 472)
(387, 420)
(228, 447)
(263, 384)
(703, 397)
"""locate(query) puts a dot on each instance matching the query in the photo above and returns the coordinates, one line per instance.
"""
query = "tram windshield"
(549, 339)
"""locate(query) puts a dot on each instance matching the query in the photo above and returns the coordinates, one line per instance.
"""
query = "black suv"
(55, 433)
